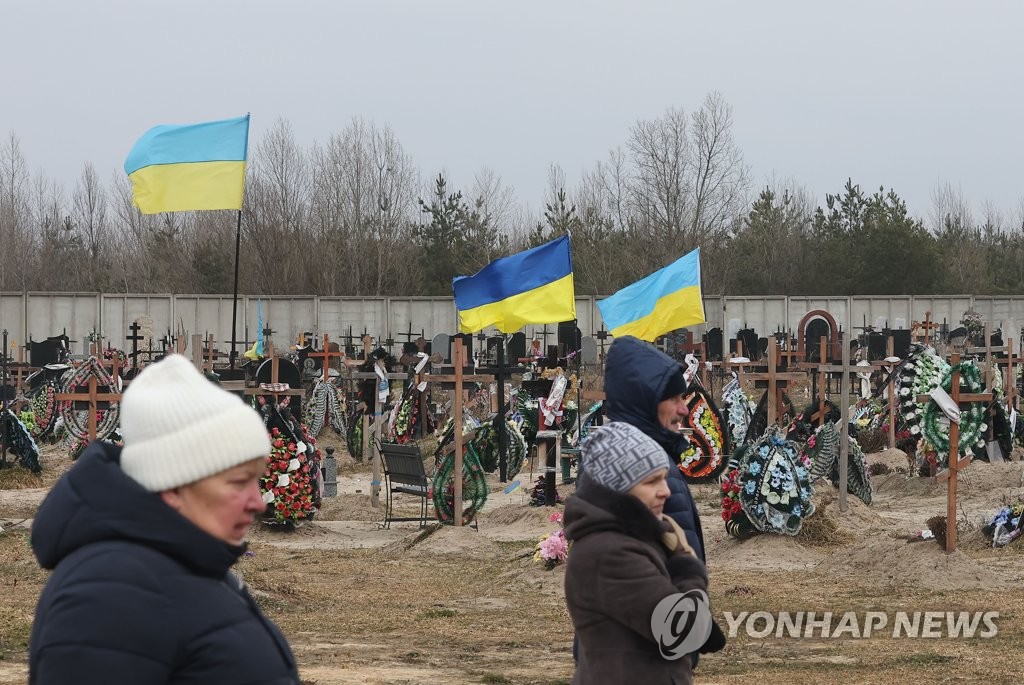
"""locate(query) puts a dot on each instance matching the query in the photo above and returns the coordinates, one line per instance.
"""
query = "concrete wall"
(44, 314)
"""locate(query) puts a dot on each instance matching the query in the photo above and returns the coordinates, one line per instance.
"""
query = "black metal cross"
(135, 338)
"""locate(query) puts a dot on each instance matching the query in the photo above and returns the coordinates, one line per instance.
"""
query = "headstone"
(813, 333)
(751, 346)
(50, 351)
(442, 345)
(467, 344)
(876, 346)
(569, 335)
(493, 343)
(901, 342)
(713, 343)
(516, 347)
(287, 372)
(588, 350)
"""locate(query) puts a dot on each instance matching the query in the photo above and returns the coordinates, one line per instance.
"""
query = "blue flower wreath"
(775, 489)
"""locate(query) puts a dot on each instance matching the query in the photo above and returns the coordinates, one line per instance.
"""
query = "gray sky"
(909, 94)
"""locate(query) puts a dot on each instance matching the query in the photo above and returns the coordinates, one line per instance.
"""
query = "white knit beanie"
(179, 428)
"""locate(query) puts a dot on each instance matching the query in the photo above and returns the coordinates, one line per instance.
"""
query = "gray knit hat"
(619, 455)
(179, 428)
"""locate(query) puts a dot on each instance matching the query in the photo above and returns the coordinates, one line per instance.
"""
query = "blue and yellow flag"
(529, 287)
(196, 166)
(668, 299)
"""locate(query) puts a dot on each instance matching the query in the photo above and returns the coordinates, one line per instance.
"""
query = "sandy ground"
(362, 604)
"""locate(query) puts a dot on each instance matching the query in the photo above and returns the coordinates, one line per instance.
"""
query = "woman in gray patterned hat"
(636, 592)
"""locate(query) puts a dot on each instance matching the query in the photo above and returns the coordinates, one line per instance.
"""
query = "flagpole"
(234, 298)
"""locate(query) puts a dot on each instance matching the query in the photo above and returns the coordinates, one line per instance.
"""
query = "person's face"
(224, 504)
(672, 412)
(653, 491)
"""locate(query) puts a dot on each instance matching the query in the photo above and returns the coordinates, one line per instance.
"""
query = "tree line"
(354, 216)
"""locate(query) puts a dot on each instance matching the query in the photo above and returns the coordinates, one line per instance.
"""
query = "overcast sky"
(906, 94)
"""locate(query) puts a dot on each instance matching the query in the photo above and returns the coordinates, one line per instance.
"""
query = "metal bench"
(404, 474)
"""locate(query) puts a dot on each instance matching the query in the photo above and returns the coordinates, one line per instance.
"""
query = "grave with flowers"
(291, 482)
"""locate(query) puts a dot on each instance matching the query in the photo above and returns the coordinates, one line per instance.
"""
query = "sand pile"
(356, 507)
(764, 552)
(898, 563)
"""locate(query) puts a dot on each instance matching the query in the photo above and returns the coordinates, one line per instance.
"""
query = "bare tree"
(959, 240)
(660, 194)
(276, 207)
(89, 212)
(719, 177)
(14, 213)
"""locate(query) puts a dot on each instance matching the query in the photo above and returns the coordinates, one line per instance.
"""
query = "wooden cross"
(777, 380)
(326, 354)
(1010, 384)
(955, 462)
(275, 370)
(96, 344)
(602, 335)
(990, 357)
(93, 397)
(500, 374)
(378, 420)
(921, 331)
(20, 370)
(114, 364)
(845, 369)
(819, 379)
(367, 340)
(790, 352)
(197, 352)
(209, 352)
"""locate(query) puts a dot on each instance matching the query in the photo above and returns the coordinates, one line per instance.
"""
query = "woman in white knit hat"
(141, 540)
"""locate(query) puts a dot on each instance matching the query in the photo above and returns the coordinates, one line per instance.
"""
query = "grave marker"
(956, 464)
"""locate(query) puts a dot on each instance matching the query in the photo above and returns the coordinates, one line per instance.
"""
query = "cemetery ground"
(365, 605)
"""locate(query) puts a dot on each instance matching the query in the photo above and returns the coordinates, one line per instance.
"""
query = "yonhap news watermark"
(864, 624)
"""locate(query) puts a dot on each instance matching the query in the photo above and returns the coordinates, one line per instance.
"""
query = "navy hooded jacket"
(636, 375)
(139, 594)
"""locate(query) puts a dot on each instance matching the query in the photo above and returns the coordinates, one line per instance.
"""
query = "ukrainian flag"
(668, 299)
(529, 287)
(196, 166)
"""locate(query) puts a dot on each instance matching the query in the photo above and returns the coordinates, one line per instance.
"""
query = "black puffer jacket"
(139, 594)
(635, 377)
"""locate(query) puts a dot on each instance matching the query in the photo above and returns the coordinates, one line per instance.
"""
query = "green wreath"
(77, 422)
(822, 451)
(972, 419)
(474, 487)
(487, 447)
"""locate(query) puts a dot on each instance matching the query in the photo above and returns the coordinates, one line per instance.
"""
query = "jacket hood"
(636, 375)
(96, 502)
(595, 508)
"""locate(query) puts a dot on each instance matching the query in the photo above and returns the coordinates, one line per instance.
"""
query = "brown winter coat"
(617, 572)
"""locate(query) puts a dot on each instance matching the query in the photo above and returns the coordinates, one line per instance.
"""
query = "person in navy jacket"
(645, 387)
(141, 540)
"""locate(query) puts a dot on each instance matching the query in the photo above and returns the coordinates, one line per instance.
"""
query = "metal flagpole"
(234, 299)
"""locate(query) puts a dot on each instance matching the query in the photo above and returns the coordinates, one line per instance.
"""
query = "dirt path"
(362, 604)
